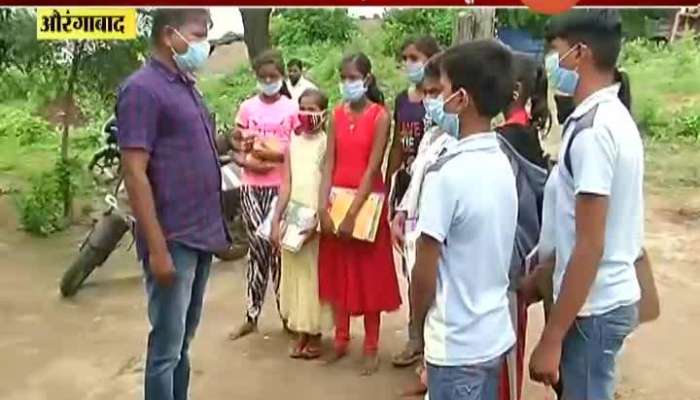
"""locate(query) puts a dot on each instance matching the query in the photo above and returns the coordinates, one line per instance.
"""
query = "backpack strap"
(581, 123)
(443, 158)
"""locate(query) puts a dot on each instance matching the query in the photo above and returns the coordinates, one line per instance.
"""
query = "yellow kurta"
(299, 298)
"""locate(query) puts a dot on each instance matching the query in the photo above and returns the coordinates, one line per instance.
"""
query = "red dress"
(358, 277)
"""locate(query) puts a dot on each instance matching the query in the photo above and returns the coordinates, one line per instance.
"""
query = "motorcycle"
(105, 162)
(108, 231)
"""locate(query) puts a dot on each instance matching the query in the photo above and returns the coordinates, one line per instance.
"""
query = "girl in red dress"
(355, 277)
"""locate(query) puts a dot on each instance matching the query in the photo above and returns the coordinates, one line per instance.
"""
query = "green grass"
(19, 163)
(671, 166)
(665, 84)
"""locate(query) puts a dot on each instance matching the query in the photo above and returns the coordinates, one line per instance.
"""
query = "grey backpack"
(529, 182)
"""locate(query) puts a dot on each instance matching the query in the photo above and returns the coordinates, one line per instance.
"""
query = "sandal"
(407, 357)
(298, 348)
(312, 352)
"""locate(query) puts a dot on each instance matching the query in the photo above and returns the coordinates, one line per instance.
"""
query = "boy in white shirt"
(467, 221)
(599, 212)
(297, 83)
(403, 226)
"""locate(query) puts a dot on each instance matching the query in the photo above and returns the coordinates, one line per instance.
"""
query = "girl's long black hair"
(625, 93)
(534, 87)
(364, 66)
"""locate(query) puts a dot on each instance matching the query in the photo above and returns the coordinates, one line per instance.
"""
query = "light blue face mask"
(434, 109)
(195, 56)
(353, 91)
(270, 89)
(415, 71)
(564, 80)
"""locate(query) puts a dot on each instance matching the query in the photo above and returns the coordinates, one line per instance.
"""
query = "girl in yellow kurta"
(299, 299)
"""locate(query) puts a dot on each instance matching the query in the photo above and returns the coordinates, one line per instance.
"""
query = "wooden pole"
(474, 24)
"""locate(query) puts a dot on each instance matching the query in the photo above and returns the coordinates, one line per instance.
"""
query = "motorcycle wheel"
(82, 267)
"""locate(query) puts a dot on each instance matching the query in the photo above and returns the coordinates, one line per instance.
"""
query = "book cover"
(367, 220)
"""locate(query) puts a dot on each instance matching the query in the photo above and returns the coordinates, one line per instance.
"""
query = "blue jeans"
(470, 382)
(174, 314)
(589, 351)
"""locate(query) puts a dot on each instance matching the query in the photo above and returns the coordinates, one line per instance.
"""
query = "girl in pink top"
(264, 124)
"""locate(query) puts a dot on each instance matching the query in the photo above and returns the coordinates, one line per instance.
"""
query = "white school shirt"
(470, 204)
(297, 90)
(433, 142)
(607, 160)
(545, 246)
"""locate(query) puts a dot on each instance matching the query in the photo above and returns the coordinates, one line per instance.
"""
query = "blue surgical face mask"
(353, 91)
(195, 56)
(450, 122)
(414, 72)
(434, 109)
(271, 88)
(564, 80)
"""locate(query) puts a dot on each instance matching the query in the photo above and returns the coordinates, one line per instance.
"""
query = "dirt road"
(92, 347)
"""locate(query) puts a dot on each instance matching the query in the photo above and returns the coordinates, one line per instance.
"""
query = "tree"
(524, 19)
(256, 30)
(398, 24)
(59, 72)
(295, 27)
(475, 24)
(78, 55)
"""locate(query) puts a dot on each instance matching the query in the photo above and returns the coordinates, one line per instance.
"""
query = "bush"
(665, 86)
(41, 207)
(88, 138)
(298, 27)
(686, 124)
(224, 94)
(19, 122)
(401, 23)
(324, 62)
(651, 119)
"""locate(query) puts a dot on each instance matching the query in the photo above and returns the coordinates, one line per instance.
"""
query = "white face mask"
(353, 90)
(414, 71)
(271, 88)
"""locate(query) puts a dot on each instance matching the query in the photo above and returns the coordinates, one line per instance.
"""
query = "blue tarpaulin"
(522, 41)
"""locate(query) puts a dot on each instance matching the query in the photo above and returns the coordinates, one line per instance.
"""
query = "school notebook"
(301, 223)
(367, 220)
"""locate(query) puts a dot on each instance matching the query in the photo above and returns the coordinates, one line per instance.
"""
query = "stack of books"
(367, 221)
(300, 224)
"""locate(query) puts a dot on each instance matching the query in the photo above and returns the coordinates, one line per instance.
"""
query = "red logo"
(550, 7)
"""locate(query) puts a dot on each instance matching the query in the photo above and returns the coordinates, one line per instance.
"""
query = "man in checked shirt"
(172, 176)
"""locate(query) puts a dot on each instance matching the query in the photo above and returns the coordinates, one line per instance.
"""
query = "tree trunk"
(256, 30)
(475, 24)
(68, 118)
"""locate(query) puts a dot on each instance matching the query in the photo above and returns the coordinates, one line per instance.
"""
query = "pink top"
(278, 120)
